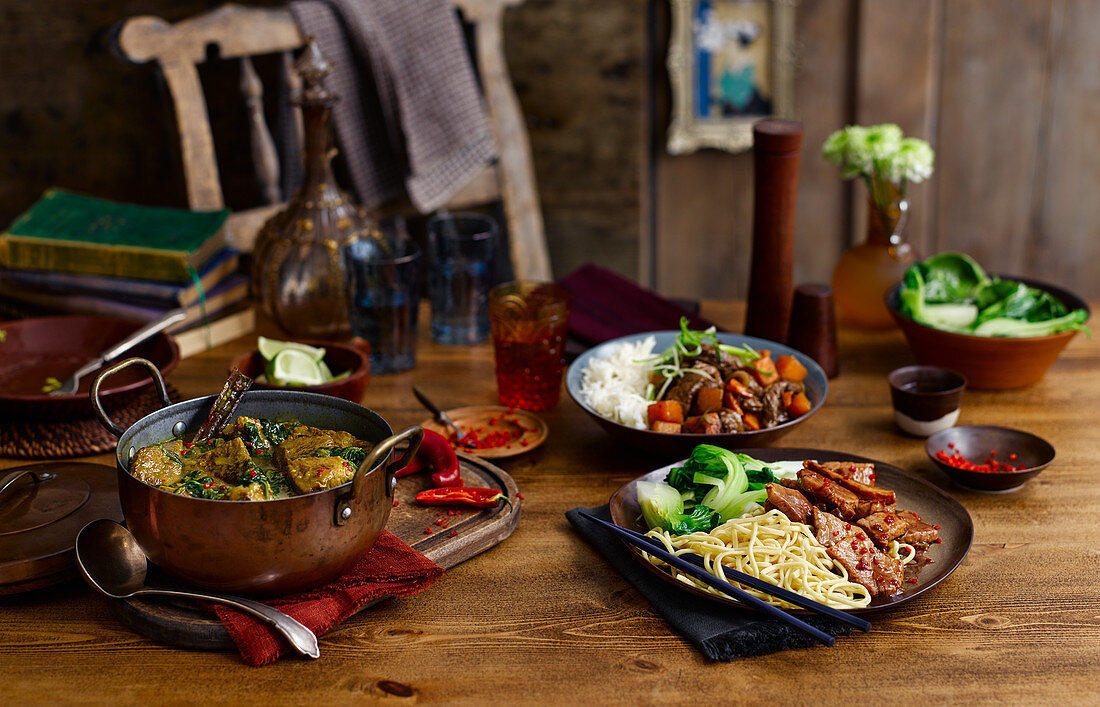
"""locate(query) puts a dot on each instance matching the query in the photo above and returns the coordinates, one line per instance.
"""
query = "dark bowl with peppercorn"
(989, 458)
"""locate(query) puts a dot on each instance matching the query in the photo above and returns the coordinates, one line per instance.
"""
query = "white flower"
(879, 152)
(911, 163)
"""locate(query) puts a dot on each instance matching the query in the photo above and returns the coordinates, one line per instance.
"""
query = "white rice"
(614, 384)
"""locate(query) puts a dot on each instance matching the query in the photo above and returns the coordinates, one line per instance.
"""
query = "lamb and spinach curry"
(254, 459)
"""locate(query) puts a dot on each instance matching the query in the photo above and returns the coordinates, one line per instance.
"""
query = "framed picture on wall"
(730, 63)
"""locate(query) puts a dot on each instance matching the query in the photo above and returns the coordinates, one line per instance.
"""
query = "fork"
(70, 385)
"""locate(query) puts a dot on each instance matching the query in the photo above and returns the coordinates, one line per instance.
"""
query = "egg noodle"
(769, 546)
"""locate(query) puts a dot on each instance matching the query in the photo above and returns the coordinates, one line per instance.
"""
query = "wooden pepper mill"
(777, 150)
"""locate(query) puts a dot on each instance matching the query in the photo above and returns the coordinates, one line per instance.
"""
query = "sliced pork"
(884, 527)
(864, 491)
(792, 503)
(853, 550)
(863, 472)
(919, 532)
(829, 492)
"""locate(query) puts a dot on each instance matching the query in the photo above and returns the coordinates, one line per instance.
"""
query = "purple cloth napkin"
(606, 305)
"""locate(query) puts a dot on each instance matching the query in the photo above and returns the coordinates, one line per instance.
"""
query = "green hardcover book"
(70, 232)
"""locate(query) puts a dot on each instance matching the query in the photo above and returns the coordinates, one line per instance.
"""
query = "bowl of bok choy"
(999, 331)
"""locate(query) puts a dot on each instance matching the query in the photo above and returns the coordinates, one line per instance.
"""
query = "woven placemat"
(45, 439)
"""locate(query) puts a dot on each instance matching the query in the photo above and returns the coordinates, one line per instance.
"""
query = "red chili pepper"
(435, 451)
(465, 496)
(957, 460)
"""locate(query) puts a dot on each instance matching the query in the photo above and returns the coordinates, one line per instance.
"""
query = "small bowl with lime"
(331, 368)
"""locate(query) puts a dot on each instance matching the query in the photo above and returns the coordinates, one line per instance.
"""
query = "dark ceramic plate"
(33, 350)
(671, 446)
(914, 494)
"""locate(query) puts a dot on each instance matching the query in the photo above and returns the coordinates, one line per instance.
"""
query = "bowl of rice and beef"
(722, 389)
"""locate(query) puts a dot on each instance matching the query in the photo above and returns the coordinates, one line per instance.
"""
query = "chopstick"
(655, 548)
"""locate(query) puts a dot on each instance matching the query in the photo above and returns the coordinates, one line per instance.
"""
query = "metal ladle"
(114, 564)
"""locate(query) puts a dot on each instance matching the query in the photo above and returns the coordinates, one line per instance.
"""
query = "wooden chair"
(242, 32)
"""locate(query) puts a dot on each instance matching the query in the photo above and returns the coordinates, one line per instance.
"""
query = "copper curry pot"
(259, 547)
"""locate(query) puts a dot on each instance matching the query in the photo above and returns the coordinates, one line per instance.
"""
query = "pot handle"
(106, 421)
(413, 435)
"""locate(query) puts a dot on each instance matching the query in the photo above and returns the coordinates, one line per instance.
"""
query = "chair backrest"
(242, 32)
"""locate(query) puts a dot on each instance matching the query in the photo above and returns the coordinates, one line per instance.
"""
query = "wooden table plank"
(541, 618)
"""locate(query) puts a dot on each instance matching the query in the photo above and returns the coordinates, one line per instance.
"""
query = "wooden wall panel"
(897, 81)
(824, 86)
(577, 68)
(994, 87)
(704, 200)
(1066, 237)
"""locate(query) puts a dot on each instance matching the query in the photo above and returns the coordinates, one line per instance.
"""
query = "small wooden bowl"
(975, 443)
(352, 356)
(987, 362)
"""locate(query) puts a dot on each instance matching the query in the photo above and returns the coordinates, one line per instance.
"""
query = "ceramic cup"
(926, 399)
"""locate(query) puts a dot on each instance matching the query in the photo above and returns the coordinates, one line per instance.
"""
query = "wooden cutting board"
(466, 535)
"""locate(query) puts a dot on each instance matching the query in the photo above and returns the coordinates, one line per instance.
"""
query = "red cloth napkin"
(606, 305)
(390, 569)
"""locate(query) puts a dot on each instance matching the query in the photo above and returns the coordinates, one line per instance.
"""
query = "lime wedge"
(270, 348)
(326, 372)
(294, 367)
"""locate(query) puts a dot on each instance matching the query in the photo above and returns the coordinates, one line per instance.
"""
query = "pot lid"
(42, 508)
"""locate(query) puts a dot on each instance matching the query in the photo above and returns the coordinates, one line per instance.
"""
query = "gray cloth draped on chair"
(410, 117)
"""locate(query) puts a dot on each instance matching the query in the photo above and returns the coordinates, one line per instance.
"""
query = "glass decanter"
(298, 261)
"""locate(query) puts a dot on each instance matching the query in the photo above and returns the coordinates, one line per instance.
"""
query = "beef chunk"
(725, 362)
(919, 532)
(731, 420)
(884, 527)
(850, 547)
(863, 472)
(860, 489)
(774, 412)
(792, 503)
(828, 492)
(701, 374)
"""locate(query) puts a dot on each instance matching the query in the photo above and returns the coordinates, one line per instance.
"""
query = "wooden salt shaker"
(777, 150)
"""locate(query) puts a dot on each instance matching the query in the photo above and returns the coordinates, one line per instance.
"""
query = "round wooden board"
(496, 418)
(190, 626)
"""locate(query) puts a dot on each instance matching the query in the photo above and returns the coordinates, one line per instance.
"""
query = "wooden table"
(542, 618)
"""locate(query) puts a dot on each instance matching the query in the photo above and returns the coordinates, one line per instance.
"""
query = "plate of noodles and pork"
(850, 532)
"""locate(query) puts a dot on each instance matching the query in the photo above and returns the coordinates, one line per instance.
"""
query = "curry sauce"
(254, 459)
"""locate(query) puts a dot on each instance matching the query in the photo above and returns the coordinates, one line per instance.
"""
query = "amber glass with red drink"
(529, 323)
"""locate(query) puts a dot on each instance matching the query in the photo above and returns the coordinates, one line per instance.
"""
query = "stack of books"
(76, 254)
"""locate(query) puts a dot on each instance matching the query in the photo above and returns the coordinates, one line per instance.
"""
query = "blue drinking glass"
(384, 285)
(460, 275)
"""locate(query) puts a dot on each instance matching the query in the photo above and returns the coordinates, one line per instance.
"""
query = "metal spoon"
(114, 564)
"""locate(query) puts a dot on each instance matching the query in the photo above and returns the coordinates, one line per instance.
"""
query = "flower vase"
(866, 272)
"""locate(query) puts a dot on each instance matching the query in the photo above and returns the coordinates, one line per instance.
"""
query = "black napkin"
(721, 632)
